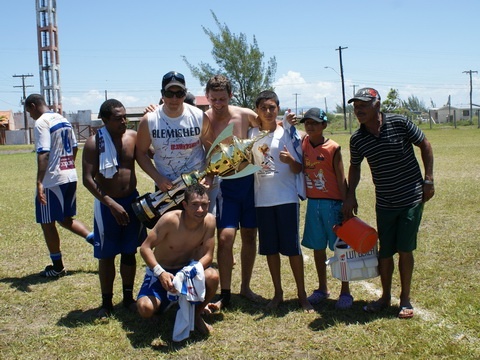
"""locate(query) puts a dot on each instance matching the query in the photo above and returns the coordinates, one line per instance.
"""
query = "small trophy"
(229, 161)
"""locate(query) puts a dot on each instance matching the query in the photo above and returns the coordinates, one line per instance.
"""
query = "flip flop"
(376, 306)
(406, 312)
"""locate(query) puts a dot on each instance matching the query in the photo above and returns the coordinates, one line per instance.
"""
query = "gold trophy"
(228, 161)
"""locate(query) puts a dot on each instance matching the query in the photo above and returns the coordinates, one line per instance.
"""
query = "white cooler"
(349, 265)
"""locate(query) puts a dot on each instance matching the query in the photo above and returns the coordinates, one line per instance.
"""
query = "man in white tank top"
(177, 132)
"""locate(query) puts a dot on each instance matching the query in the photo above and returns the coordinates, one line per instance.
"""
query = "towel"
(297, 154)
(190, 285)
(108, 162)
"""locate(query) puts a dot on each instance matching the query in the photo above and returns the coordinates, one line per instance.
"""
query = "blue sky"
(419, 47)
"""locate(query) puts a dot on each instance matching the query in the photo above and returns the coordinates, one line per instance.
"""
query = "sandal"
(318, 296)
(344, 302)
(406, 312)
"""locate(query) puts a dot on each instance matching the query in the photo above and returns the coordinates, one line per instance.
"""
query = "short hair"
(218, 83)
(196, 188)
(190, 99)
(106, 109)
(267, 95)
(36, 99)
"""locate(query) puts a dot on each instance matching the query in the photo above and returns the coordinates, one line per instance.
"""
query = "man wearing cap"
(177, 132)
(326, 189)
(385, 140)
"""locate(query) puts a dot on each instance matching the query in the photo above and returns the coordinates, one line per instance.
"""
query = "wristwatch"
(428, 182)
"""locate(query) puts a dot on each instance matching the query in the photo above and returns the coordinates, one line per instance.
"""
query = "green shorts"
(397, 229)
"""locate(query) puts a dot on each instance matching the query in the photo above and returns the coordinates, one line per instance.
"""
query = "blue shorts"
(236, 204)
(61, 203)
(278, 230)
(321, 216)
(111, 238)
(398, 229)
(152, 287)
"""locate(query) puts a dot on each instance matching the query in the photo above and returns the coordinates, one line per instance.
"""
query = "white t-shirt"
(176, 141)
(54, 134)
(275, 182)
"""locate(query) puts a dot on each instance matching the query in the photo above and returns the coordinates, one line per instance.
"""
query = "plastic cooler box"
(349, 265)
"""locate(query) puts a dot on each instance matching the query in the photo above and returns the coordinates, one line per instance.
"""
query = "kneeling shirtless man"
(179, 237)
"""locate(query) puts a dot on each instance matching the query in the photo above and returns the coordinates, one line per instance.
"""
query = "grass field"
(55, 319)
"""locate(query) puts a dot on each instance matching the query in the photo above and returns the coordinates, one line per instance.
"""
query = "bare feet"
(273, 304)
(250, 295)
(212, 308)
(202, 326)
(306, 306)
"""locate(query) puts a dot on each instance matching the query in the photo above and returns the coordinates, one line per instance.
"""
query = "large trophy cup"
(228, 161)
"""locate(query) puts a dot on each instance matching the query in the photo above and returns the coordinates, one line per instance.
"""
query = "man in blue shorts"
(109, 174)
(55, 200)
(179, 237)
(400, 190)
(235, 203)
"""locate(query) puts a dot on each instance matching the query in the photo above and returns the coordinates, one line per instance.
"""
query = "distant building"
(447, 114)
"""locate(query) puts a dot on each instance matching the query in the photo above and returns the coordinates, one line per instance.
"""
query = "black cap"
(315, 114)
(366, 94)
(173, 78)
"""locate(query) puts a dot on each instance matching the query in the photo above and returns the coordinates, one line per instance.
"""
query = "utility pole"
(296, 108)
(470, 72)
(23, 76)
(343, 85)
(353, 86)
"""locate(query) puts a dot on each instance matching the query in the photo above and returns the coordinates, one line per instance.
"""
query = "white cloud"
(309, 94)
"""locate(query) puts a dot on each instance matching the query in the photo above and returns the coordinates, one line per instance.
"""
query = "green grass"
(55, 319)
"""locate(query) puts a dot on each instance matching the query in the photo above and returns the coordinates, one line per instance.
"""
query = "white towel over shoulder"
(108, 162)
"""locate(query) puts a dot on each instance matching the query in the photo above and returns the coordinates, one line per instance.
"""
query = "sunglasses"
(173, 75)
(178, 94)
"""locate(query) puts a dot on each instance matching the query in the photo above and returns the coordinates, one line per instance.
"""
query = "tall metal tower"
(48, 56)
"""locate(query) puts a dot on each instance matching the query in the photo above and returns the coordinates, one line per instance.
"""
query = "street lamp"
(329, 67)
(343, 93)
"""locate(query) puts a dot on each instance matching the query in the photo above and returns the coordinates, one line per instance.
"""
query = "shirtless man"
(235, 202)
(117, 229)
(179, 237)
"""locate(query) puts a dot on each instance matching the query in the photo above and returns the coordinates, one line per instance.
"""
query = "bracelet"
(428, 182)
(158, 270)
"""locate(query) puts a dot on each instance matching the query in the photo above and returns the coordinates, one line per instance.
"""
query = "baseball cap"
(315, 114)
(365, 94)
(173, 78)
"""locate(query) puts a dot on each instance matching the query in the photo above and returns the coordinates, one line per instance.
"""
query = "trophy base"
(145, 211)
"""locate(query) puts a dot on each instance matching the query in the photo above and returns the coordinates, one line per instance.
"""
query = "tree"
(413, 104)
(392, 103)
(240, 62)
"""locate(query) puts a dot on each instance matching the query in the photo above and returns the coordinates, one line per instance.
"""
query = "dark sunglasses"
(173, 75)
(178, 94)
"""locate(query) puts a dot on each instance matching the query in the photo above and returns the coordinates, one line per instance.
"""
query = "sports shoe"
(318, 296)
(50, 272)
